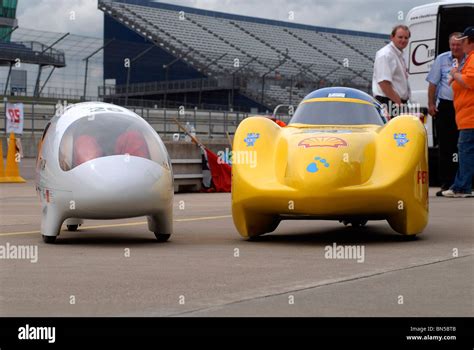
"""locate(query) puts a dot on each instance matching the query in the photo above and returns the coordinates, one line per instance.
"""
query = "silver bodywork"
(106, 181)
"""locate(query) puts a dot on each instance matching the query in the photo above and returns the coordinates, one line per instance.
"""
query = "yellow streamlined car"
(338, 159)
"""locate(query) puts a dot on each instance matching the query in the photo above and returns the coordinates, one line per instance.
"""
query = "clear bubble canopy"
(109, 134)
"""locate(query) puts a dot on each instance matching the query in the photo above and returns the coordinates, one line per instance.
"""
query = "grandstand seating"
(278, 51)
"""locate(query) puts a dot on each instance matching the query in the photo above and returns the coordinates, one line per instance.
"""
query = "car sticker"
(251, 138)
(322, 141)
(313, 167)
(401, 139)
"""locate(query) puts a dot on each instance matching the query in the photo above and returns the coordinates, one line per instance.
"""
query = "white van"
(430, 26)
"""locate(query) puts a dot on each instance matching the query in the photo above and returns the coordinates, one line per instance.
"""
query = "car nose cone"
(117, 184)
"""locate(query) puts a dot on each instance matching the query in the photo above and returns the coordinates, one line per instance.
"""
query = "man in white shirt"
(390, 80)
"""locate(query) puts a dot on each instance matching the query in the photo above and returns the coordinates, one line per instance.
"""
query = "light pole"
(265, 74)
(202, 78)
(166, 68)
(330, 73)
(87, 66)
(38, 90)
(144, 52)
(233, 79)
(305, 67)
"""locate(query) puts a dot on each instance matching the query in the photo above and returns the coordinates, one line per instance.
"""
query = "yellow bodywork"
(332, 172)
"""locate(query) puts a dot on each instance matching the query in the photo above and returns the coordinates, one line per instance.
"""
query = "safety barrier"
(11, 174)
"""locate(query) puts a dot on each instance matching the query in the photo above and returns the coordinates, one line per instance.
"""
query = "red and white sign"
(15, 118)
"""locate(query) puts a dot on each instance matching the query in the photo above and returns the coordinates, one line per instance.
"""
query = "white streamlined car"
(101, 161)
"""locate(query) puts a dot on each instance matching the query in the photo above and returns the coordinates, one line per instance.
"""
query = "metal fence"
(48, 92)
(208, 124)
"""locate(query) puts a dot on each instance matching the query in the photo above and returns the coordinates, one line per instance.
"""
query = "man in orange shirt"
(463, 89)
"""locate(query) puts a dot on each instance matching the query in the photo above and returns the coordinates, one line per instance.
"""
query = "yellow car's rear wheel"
(355, 222)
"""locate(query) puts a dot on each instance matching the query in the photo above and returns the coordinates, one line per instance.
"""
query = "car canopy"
(108, 134)
(338, 106)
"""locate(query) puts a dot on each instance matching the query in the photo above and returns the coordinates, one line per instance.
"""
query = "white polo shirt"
(390, 65)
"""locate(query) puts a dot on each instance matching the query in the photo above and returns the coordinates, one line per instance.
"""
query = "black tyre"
(72, 228)
(162, 237)
(409, 238)
(359, 223)
(254, 238)
(49, 239)
(354, 223)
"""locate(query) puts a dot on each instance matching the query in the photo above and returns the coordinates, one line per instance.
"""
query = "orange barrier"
(12, 171)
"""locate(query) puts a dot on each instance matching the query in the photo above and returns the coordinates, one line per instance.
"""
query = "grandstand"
(185, 56)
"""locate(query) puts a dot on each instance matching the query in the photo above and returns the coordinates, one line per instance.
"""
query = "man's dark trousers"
(447, 134)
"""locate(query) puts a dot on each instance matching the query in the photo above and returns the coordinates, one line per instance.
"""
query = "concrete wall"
(180, 149)
(185, 158)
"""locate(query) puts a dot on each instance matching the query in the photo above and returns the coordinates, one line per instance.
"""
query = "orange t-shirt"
(464, 97)
(133, 143)
(86, 148)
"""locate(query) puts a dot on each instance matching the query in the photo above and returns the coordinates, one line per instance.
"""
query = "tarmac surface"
(116, 268)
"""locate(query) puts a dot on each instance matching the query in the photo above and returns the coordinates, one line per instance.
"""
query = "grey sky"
(83, 18)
